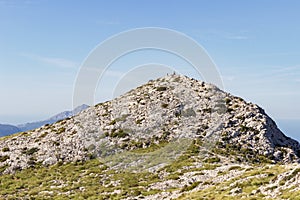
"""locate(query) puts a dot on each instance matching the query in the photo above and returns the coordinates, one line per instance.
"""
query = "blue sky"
(255, 45)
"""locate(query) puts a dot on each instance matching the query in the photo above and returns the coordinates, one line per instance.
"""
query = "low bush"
(4, 158)
(5, 149)
(161, 88)
(119, 133)
(30, 151)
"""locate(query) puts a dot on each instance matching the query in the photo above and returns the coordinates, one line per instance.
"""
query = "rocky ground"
(191, 138)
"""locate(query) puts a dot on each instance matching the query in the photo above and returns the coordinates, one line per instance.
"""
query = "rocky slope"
(189, 134)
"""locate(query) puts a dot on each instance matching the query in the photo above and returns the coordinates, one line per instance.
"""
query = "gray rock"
(173, 109)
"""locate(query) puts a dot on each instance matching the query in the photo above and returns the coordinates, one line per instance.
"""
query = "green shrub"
(227, 100)
(56, 143)
(31, 163)
(236, 106)
(4, 158)
(161, 88)
(30, 151)
(229, 110)
(120, 134)
(205, 126)
(139, 121)
(174, 176)
(244, 128)
(113, 122)
(44, 135)
(61, 130)
(293, 174)
(190, 187)
(164, 105)
(5, 149)
(234, 168)
(3, 168)
(212, 160)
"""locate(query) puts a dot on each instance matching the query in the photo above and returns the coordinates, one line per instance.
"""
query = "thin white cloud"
(56, 62)
(107, 72)
(237, 37)
(276, 93)
(228, 78)
(107, 22)
(287, 69)
(114, 73)
(263, 73)
(219, 34)
(276, 54)
(16, 3)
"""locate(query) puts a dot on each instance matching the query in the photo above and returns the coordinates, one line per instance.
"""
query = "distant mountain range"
(7, 129)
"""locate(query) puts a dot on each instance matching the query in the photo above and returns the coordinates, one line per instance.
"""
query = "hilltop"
(176, 137)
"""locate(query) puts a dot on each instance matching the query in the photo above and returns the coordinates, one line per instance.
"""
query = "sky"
(254, 44)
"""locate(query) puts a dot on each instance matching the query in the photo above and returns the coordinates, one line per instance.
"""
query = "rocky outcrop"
(163, 111)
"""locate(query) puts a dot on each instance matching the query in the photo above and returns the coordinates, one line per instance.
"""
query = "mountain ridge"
(37, 124)
(7, 129)
(181, 132)
(53, 119)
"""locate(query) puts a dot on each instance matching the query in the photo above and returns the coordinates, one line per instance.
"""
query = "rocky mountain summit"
(189, 134)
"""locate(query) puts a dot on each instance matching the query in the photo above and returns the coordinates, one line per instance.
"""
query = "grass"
(3, 168)
(248, 182)
(119, 134)
(64, 181)
(14, 135)
(94, 180)
(190, 187)
(235, 168)
(4, 158)
(212, 160)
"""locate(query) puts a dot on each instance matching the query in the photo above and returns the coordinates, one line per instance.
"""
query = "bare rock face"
(169, 109)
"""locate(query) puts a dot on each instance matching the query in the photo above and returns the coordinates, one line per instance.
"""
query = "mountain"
(172, 138)
(53, 119)
(6, 129)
